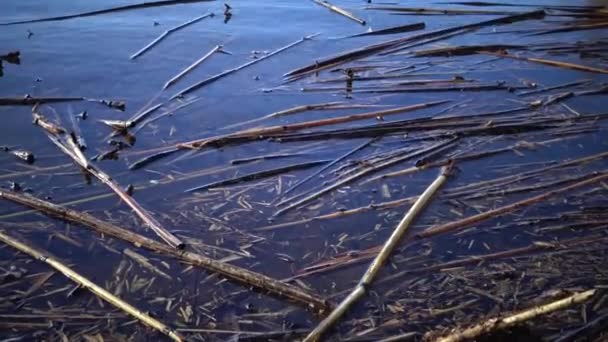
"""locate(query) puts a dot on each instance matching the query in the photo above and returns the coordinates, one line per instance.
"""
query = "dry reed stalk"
(70, 148)
(107, 10)
(388, 247)
(340, 11)
(168, 32)
(465, 222)
(216, 77)
(235, 273)
(499, 323)
(563, 65)
(183, 73)
(86, 283)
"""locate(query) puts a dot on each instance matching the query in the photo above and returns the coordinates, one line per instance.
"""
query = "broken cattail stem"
(242, 66)
(73, 151)
(241, 275)
(370, 275)
(463, 223)
(362, 173)
(494, 324)
(88, 284)
(191, 67)
(168, 32)
(340, 11)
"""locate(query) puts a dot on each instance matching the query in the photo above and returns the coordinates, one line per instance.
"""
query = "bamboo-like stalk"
(388, 247)
(235, 273)
(340, 11)
(216, 77)
(73, 151)
(494, 324)
(558, 64)
(465, 222)
(191, 67)
(88, 284)
(168, 32)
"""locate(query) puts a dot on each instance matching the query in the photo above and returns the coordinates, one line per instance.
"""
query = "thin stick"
(258, 175)
(107, 10)
(390, 244)
(375, 48)
(240, 67)
(500, 323)
(191, 67)
(340, 11)
(168, 32)
(241, 275)
(86, 283)
(362, 173)
(334, 162)
(564, 65)
(391, 30)
(559, 86)
(279, 129)
(465, 222)
(75, 153)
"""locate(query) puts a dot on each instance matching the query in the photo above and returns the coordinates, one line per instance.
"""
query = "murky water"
(89, 57)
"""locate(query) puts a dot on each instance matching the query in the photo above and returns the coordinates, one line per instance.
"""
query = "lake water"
(89, 57)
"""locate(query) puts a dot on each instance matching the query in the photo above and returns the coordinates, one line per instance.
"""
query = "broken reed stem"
(142, 5)
(340, 11)
(242, 66)
(362, 173)
(563, 65)
(280, 129)
(494, 324)
(465, 222)
(334, 162)
(259, 281)
(375, 266)
(168, 32)
(74, 152)
(191, 67)
(86, 283)
(266, 132)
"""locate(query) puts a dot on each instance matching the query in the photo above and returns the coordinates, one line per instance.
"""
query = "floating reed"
(507, 321)
(388, 247)
(168, 32)
(238, 274)
(89, 285)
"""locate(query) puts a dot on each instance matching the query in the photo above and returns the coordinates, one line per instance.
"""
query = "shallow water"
(89, 57)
